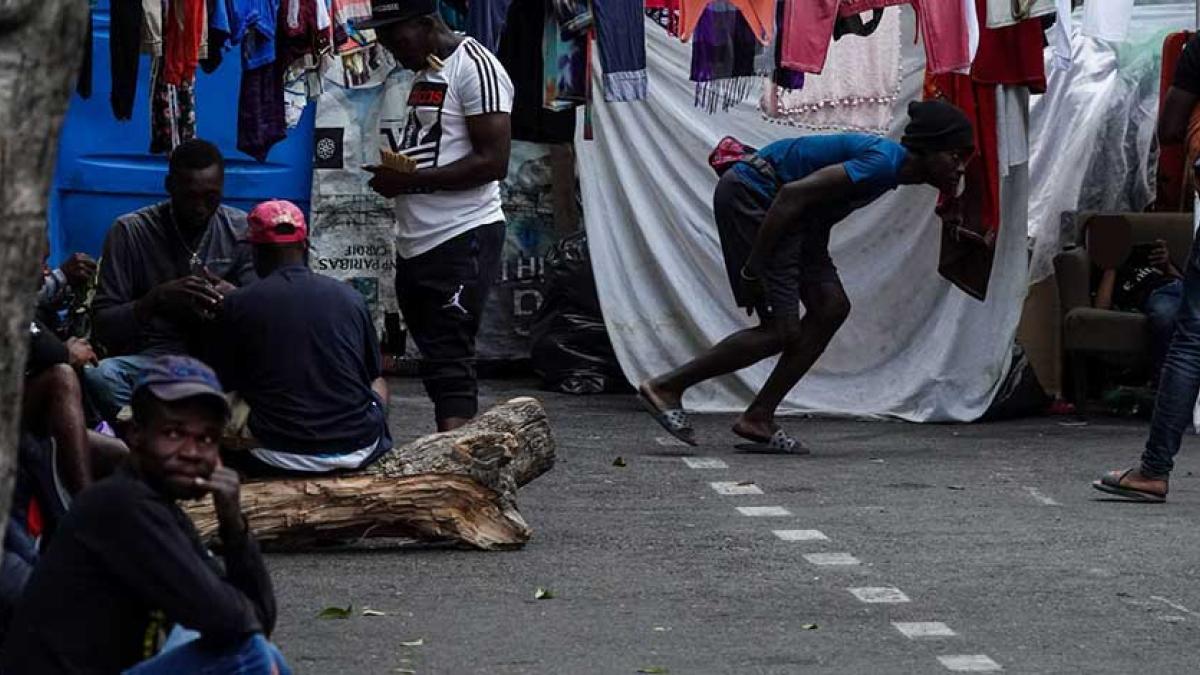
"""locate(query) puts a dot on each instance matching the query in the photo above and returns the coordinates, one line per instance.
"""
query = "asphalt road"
(991, 530)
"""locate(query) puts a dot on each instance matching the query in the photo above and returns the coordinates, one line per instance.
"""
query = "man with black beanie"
(774, 209)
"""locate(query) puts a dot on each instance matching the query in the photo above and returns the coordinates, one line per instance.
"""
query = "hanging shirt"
(1011, 55)
(872, 163)
(184, 27)
(472, 82)
(252, 25)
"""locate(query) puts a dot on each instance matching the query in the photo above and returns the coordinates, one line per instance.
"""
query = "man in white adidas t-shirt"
(451, 225)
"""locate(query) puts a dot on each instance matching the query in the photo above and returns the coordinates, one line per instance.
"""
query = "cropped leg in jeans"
(442, 294)
(253, 656)
(110, 384)
(1161, 308)
(1180, 379)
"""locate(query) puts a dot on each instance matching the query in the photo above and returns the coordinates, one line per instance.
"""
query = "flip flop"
(675, 420)
(1111, 483)
(780, 443)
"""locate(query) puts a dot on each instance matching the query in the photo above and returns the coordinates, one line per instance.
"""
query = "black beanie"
(935, 126)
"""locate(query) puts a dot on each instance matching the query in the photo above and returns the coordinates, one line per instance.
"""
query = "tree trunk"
(459, 486)
(40, 53)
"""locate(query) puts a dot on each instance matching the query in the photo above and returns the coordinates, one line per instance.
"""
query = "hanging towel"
(1107, 19)
(1001, 13)
(724, 51)
(857, 91)
(759, 15)
(1011, 55)
(621, 38)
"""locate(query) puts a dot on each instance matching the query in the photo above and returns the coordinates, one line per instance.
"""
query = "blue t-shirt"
(301, 349)
(871, 162)
(252, 24)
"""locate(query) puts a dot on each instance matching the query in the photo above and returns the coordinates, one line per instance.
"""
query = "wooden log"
(459, 485)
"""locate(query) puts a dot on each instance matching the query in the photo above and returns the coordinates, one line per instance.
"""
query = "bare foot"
(661, 397)
(1135, 480)
(755, 429)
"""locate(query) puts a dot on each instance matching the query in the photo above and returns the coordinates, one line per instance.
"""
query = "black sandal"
(1111, 484)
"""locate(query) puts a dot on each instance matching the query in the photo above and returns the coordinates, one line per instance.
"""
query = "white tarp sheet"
(914, 347)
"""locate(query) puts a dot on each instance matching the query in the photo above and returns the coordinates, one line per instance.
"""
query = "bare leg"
(53, 404)
(107, 454)
(805, 340)
(740, 350)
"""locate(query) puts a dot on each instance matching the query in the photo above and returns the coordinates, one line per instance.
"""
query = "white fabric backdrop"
(914, 347)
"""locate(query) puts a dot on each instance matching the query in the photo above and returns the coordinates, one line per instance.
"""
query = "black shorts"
(801, 257)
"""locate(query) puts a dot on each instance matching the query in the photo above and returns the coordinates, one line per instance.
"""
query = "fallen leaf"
(955, 487)
(419, 642)
(653, 670)
(336, 612)
(373, 612)
(543, 594)
(620, 461)
(810, 626)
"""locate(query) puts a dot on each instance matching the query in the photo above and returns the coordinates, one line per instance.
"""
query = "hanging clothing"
(124, 42)
(1012, 127)
(564, 66)
(527, 25)
(665, 13)
(152, 26)
(759, 16)
(808, 28)
(1059, 37)
(1011, 55)
(84, 86)
(1001, 13)
(621, 40)
(262, 116)
(724, 50)
(183, 31)
(978, 101)
(218, 35)
(971, 17)
(172, 110)
(1107, 19)
(252, 24)
(857, 93)
(786, 79)
(485, 21)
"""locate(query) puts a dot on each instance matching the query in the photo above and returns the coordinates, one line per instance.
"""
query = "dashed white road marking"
(705, 463)
(883, 594)
(1172, 605)
(923, 629)
(969, 663)
(764, 511)
(801, 535)
(671, 442)
(831, 559)
(1037, 494)
(733, 488)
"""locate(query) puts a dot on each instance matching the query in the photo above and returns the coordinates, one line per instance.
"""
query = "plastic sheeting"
(913, 348)
(1099, 114)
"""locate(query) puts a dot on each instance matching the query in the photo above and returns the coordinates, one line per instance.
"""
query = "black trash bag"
(571, 351)
(1020, 394)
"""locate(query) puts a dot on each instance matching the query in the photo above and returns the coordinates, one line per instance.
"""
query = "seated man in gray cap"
(127, 566)
(774, 209)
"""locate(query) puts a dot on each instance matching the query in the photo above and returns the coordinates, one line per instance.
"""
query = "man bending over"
(774, 211)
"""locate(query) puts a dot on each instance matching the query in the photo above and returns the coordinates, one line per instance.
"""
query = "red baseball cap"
(276, 222)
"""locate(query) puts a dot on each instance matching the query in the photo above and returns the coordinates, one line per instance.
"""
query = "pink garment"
(808, 29)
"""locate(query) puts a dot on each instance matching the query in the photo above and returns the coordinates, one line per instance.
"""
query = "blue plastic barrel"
(105, 168)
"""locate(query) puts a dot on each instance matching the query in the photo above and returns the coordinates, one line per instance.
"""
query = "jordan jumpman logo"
(456, 301)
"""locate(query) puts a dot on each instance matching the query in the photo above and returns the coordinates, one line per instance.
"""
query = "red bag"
(729, 151)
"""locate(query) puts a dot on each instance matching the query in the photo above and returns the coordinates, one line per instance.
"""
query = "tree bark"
(459, 485)
(40, 53)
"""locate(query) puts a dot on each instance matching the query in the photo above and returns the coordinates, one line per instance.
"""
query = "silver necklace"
(194, 262)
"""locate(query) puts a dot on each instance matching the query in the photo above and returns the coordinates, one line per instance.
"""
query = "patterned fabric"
(724, 55)
(172, 111)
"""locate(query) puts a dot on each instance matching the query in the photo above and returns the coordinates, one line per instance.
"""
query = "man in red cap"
(301, 350)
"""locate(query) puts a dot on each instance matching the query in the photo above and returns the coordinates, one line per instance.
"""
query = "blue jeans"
(1161, 309)
(254, 656)
(1179, 382)
(110, 384)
